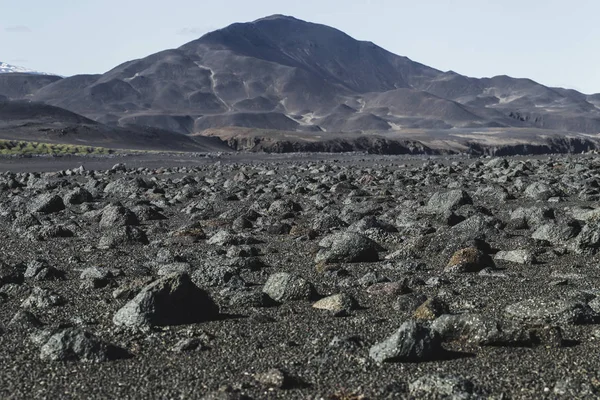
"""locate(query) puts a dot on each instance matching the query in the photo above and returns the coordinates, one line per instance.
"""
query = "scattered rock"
(73, 344)
(283, 287)
(412, 342)
(171, 300)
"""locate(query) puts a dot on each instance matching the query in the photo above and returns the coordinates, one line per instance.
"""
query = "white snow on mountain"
(8, 69)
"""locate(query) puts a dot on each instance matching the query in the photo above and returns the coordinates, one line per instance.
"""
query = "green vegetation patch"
(17, 147)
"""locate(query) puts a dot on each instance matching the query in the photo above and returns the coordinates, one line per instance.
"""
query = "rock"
(540, 191)
(442, 386)
(283, 287)
(557, 311)
(273, 378)
(555, 233)
(431, 309)
(516, 256)
(96, 277)
(77, 345)
(187, 345)
(469, 260)
(223, 238)
(440, 203)
(532, 217)
(47, 203)
(171, 300)
(412, 342)
(78, 196)
(347, 247)
(42, 298)
(39, 270)
(588, 239)
(283, 207)
(115, 216)
(339, 304)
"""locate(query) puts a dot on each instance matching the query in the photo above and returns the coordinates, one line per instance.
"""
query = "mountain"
(6, 68)
(37, 122)
(281, 73)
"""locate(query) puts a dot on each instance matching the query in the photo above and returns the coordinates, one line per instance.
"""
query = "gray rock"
(78, 196)
(442, 386)
(347, 247)
(555, 233)
(42, 298)
(533, 216)
(440, 203)
(561, 311)
(588, 239)
(283, 287)
(47, 203)
(172, 268)
(412, 342)
(114, 216)
(540, 191)
(273, 378)
(171, 300)
(77, 345)
(187, 345)
(40, 270)
(522, 256)
(339, 304)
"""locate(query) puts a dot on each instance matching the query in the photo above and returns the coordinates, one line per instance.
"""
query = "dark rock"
(77, 345)
(171, 300)
(347, 247)
(412, 342)
(115, 216)
(47, 203)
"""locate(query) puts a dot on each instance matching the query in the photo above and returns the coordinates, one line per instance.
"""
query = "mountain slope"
(281, 73)
(21, 120)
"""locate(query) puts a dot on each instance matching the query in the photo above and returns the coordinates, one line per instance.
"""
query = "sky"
(554, 42)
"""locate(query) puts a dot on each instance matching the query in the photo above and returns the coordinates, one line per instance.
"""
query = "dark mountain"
(281, 73)
(29, 121)
(24, 85)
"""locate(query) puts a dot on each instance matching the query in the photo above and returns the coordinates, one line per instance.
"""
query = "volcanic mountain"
(281, 73)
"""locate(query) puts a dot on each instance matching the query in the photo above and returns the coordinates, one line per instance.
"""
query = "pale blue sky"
(555, 42)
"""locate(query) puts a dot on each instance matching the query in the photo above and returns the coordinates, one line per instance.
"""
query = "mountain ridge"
(282, 73)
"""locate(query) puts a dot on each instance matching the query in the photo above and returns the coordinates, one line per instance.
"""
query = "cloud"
(194, 31)
(18, 29)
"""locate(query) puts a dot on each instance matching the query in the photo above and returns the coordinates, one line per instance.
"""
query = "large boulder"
(347, 247)
(171, 300)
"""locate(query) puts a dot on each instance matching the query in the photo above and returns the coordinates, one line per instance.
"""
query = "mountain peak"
(6, 68)
(277, 17)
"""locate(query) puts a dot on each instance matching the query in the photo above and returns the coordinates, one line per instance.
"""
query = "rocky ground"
(329, 278)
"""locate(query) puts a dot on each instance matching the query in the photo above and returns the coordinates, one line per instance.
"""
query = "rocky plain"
(362, 277)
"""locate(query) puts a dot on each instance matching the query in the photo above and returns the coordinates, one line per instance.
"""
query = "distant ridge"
(6, 68)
